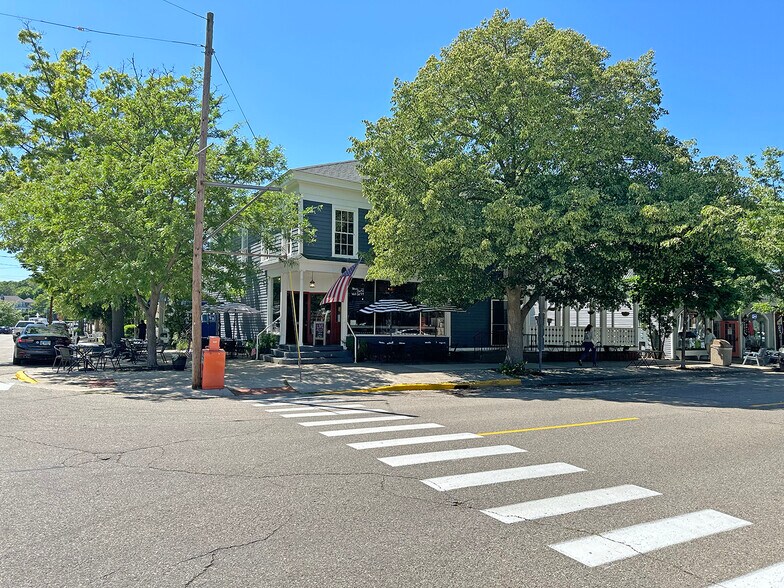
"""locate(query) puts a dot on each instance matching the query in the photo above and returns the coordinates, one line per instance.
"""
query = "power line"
(228, 83)
(185, 9)
(88, 30)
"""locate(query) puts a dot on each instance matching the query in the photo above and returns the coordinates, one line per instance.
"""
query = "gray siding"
(472, 328)
(321, 220)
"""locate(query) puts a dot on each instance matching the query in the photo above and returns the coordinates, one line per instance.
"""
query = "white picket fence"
(554, 336)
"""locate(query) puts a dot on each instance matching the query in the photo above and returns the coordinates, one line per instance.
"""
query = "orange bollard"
(213, 368)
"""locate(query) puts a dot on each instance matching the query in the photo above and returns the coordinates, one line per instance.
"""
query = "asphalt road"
(102, 489)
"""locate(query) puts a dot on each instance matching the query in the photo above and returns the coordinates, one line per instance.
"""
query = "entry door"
(330, 314)
(730, 331)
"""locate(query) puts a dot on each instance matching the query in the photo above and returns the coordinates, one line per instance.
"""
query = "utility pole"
(198, 223)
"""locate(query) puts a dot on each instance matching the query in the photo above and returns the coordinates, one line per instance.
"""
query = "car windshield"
(42, 330)
(23, 323)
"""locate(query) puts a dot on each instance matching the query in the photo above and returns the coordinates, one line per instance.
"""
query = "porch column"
(270, 302)
(301, 315)
(603, 326)
(343, 321)
(636, 324)
(284, 310)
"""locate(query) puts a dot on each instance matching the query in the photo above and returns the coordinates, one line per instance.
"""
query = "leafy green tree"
(691, 255)
(100, 176)
(763, 225)
(9, 316)
(505, 169)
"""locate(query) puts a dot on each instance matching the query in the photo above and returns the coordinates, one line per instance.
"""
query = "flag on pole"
(338, 291)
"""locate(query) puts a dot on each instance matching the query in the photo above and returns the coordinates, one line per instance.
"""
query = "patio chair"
(159, 349)
(113, 356)
(64, 358)
(760, 357)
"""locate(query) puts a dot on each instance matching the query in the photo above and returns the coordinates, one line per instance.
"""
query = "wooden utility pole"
(198, 224)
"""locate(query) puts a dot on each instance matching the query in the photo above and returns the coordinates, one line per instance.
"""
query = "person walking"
(589, 350)
(142, 330)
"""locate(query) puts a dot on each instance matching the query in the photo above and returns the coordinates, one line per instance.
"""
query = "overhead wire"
(228, 83)
(184, 9)
(99, 32)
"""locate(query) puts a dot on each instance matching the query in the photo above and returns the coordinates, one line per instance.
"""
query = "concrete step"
(325, 348)
(310, 354)
(308, 360)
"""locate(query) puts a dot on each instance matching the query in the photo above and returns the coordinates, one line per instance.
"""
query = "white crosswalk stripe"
(770, 577)
(5, 386)
(394, 417)
(413, 440)
(419, 458)
(624, 543)
(306, 408)
(328, 412)
(458, 481)
(373, 430)
(558, 505)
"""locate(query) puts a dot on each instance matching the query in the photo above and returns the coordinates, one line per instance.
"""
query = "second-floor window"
(344, 233)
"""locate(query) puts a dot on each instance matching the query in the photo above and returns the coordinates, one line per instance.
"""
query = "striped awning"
(389, 305)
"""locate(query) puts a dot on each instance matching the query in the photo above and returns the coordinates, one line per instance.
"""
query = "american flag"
(338, 291)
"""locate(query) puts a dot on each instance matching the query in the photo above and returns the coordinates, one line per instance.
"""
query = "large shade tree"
(99, 174)
(504, 169)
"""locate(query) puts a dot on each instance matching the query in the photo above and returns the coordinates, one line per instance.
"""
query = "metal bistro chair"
(159, 349)
(64, 358)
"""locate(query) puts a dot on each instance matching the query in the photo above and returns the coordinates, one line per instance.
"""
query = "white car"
(18, 328)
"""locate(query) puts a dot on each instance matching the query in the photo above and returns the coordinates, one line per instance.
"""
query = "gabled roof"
(340, 170)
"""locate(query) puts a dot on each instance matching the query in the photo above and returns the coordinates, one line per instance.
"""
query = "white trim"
(355, 223)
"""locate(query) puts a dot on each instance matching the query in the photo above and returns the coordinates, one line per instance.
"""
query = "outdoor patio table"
(84, 352)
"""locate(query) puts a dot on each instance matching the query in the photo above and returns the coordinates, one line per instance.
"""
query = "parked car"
(38, 342)
(18, 328)
(5, 330)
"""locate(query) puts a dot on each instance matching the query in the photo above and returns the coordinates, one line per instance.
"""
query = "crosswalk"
(591, 551)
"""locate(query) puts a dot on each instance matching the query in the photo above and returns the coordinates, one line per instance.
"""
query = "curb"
(23, 377)
(431, 386)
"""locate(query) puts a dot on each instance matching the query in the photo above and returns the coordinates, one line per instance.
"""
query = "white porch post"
(301, 312)
(270, 301)
(284, 310)
(344, 320)
(636, 324)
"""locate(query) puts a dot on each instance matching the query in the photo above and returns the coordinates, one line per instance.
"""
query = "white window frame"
(355, 212)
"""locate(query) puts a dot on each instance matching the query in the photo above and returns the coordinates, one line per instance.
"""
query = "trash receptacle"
(721, 352)
(213, 365)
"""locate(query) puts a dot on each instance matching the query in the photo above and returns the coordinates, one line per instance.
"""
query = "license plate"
(44, 342)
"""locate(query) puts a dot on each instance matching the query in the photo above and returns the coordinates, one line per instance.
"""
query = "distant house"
(293, 280)
(23, 305)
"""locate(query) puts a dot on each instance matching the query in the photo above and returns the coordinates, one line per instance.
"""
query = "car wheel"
(17, 361)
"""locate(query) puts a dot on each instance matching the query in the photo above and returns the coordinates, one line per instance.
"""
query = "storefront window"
(755, 331)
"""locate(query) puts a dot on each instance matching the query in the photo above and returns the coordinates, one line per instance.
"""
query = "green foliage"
(9, 316)
(129, 331)
(99, 176)
(267, 341)
(507, 166)
(514, 368)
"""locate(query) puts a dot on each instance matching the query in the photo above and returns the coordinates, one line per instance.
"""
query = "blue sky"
(308, 72)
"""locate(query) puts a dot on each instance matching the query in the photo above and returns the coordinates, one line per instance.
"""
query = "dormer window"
(344, 236)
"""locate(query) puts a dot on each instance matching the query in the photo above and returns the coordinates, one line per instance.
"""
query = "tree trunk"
(514, 334)
(152, 338)
(683, 340)
(118, 322)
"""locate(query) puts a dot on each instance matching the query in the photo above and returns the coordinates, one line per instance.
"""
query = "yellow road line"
(20, 375)
(560, 426)
(770, 404)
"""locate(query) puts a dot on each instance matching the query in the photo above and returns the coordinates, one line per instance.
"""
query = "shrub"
(513, 368)
(267, 341)
(129, 331)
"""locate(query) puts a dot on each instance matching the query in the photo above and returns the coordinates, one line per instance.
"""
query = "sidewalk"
(252, 378)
